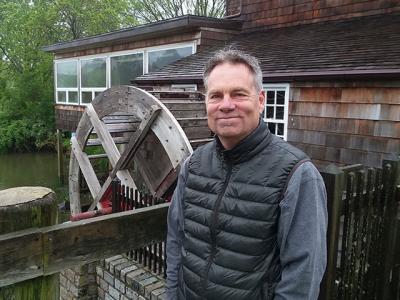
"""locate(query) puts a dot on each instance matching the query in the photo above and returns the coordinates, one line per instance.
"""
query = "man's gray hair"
(234, 56)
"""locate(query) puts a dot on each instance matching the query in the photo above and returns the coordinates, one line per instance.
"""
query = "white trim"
(194, 86)
(275, 88)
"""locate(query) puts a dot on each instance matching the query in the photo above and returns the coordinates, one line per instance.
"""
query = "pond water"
(31, 169)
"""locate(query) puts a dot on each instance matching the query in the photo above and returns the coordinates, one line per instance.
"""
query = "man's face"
(233, 103)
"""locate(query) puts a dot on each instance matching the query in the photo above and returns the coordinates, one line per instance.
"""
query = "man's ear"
(261, 101)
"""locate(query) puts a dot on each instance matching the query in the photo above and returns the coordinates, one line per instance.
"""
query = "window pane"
(280, 97)
(280, 129)
(96, 94)
(67, 74)
(61, 96)
(72, 97)
(86, 97)
(270, 97)
(270, 112)
(271, 127)
(93, 72)
(158, 59)
(125, 68)
(279, 112)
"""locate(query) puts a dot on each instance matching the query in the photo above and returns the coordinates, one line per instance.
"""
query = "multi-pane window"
(276, 108)
(93, 78)
(67, 81)
(124, 68)
(161, 58)
(80, 80)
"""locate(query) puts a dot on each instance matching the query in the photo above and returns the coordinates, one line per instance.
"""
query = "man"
(248, 217)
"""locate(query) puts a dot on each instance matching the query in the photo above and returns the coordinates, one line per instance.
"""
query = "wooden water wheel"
(153, 141)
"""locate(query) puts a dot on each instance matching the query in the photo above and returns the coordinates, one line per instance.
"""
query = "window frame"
(144, 51)
(63, 89)
(278, 87)
(183, 86)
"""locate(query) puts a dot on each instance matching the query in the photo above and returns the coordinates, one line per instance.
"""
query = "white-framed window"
(79, 80)
(66, 81)
(184, 87)
(276, 108)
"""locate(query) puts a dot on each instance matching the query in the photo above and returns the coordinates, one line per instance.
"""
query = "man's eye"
(214, 97)
(239, 95)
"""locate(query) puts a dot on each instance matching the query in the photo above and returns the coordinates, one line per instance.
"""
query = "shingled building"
(331, 69)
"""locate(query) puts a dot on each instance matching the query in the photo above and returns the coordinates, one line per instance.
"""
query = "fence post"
(334, 180)
(390, 229)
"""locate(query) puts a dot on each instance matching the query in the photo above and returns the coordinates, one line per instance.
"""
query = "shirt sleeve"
(175, 234)
(302, 235)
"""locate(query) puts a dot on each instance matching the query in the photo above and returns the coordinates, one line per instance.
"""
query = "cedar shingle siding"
(278, 13)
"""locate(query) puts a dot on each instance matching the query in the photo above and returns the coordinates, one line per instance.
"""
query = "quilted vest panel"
(231, 213)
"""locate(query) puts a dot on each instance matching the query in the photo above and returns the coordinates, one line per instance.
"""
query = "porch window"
(93, 78)
(125, 68)
(80, 80)
(67, 81)
(161, 58)
(275, 113)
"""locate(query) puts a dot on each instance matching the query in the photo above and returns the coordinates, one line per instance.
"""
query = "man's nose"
(227, 103)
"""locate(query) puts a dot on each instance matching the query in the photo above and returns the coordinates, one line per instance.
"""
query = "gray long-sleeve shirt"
(301, 235)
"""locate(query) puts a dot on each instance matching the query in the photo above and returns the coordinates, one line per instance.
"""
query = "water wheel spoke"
(86, 168)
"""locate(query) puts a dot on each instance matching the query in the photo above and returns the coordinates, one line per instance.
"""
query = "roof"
(151, 30)
(367, 46)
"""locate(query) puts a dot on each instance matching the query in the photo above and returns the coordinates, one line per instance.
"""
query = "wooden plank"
(20, 256)
(86, 168)
(51, 249)
(109, 146)
(105, 137)
(334, 179)
(117, 140)
(138, 137)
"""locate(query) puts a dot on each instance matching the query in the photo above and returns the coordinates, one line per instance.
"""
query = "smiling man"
(248, 217)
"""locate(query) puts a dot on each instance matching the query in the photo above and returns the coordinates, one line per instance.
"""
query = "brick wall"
(120, 278)
(114, 278)
(79, 283)
(279, 13)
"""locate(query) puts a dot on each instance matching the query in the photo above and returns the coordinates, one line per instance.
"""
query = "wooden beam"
(86, 168)
(109, 146)
(36, 252)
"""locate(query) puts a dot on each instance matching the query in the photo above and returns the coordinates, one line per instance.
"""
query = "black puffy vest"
(231, 212)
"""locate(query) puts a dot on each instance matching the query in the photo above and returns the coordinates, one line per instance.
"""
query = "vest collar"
(250, 146)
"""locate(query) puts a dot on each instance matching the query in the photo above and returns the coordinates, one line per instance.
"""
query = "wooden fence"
(363, 232)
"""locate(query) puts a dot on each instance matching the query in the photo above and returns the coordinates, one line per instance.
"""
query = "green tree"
(156, 10)
(26, 72)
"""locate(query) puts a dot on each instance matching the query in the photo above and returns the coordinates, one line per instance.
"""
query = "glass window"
(73, 97)
(93, 73)
(125, 68)
(160, 58)
(62, 96)
(86, 97)
(67, 75)
(276, 108)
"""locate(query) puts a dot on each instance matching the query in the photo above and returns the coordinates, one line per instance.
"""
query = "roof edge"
(275, 77)
(145, 30)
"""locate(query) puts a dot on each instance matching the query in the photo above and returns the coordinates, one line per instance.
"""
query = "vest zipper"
(213, 233)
